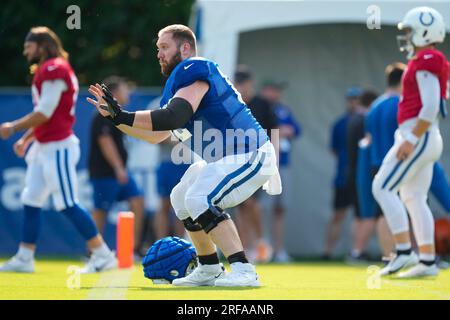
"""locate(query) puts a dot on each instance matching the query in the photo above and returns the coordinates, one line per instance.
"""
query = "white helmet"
(426, 26)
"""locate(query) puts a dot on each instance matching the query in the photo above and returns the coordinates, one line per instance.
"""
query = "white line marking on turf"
(440, 294)
(112, 285)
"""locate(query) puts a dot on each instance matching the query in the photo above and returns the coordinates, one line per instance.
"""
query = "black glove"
(117, 115)
(113, 107)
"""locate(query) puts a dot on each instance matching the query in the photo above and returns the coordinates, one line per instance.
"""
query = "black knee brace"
(211, 218)
(192, 226)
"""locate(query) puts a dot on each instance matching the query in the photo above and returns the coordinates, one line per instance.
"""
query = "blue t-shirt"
(221, 112)
(285, 117)
(381, 123)
(339, 147)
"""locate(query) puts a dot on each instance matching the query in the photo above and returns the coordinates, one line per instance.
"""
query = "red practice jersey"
(60, 124)
(430, 60)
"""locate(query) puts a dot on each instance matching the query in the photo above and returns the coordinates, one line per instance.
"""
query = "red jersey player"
(408, 166)
(52, 158)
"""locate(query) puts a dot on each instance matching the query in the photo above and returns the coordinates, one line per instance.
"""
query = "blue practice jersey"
(285, 117)
(381, 123)
(221, 109)
(339, 147)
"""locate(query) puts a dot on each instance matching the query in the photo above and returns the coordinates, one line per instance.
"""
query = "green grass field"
(302, 280)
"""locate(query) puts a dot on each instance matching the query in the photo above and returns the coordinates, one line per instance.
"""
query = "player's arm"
(145, 135)
(177, 112)
(430, 92)
(49, 99)
(21, 145)
(31, 120)
(152, 137)
(28, 136)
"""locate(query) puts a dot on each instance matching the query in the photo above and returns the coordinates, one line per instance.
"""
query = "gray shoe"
(420, 270)
(17, 264)
(399, 262)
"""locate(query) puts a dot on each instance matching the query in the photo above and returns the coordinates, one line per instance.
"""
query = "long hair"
(49, 43)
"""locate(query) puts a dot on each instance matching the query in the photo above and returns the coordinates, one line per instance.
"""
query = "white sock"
(403, 246)
(101, 250)
(25, 253)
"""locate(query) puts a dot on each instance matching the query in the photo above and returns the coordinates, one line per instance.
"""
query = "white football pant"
(224, 183)
(412, 178)
(51, 171)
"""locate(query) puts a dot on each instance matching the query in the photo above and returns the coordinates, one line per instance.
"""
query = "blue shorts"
(107, 191)
(168, 175)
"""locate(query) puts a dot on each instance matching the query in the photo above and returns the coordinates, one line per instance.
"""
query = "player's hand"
(6, 130)
(100, 103)
(20, 147)
(121, 175)
(405, 150)
(113, 107)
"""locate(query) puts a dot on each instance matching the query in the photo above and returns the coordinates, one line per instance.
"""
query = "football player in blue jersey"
(201, 108)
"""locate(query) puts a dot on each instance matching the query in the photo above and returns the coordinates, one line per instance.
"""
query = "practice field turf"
(303, 280)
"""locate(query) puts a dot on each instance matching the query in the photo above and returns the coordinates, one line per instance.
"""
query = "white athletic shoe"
(17, 264)
(99, 263)
(420, 270)
(203, 275)
(399, 262)
(241, 275)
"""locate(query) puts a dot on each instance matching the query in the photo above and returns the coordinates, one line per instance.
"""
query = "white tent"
(320, 48)
(223, 21)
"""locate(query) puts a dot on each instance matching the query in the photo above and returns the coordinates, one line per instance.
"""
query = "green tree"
(116, 37)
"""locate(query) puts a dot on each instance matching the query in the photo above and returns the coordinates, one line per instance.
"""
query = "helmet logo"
(430, 20)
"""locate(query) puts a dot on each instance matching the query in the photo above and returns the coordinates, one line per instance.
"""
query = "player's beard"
(34, 60)
(167, 70)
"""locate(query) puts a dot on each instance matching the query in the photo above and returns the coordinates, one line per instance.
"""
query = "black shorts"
(342, 198)
(378, 211)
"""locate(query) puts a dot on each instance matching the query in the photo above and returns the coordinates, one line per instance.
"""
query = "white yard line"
(112, 285)
(399, 283)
